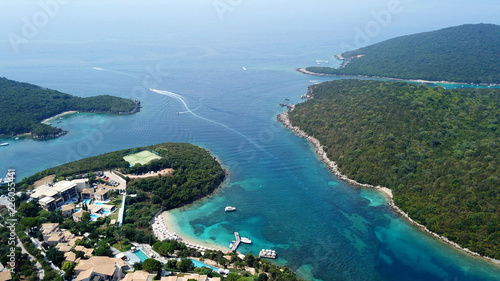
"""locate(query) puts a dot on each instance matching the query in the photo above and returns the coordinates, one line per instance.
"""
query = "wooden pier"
(237, 243)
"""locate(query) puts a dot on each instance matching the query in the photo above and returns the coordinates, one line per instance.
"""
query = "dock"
(237, 243)
(270, 254)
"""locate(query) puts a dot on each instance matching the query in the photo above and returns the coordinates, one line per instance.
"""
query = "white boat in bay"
(246, 240)
(4, 144)
(230, 209)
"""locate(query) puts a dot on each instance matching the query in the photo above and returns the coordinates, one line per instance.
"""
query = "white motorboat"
(246, 240)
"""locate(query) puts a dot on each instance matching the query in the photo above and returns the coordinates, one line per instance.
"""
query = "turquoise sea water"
(286, 198)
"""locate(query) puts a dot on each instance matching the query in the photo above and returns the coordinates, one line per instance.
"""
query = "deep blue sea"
(229, 74)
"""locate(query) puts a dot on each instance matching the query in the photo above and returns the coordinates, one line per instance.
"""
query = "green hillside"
(438, 150)
(24, 106)
(467, 53)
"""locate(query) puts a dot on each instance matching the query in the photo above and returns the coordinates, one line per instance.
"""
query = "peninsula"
(26, 108)
(461, 54)
(435, 149)
(104, 209)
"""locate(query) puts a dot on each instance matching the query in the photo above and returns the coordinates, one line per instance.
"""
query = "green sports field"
(142, 157)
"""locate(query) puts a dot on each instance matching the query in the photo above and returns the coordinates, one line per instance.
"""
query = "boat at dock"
(246, 240)
(230, 209)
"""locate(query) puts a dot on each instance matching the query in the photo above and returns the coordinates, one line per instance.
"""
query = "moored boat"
(230, 209)
(4, 144)
(246, 240)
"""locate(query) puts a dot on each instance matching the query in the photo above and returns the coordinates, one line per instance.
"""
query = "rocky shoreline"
(333, 167)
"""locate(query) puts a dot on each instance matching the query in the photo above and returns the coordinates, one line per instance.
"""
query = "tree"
(249, 260)
(55, 256)
(233, 276)
(103, 249)
(68, 267)
(138, 266)
(151, 265)
(85, 216)
(263, 277)
(185, 265)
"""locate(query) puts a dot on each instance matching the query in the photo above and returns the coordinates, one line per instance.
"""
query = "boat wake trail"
(114, 71)
(188, 110)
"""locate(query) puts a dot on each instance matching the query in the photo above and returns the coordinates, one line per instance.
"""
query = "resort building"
(87, 193)
(48, 204)
(104, 267)
(52, 234)
(70, 256)
(77, 217)
(101, 194)
(138, 275)
(62, 192)
(86, 252)
(81, 184)
(67, 210)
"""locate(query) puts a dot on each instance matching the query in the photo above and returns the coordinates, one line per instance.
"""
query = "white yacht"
(246, 240)
(230, 209)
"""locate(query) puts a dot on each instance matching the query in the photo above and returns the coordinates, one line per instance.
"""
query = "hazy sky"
(154, 20)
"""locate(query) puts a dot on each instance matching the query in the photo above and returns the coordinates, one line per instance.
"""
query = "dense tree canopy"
(467, 53)
(24, 106)
(438, 150)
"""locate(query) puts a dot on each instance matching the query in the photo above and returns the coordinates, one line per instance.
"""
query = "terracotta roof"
(68, 207)
(5, 275)
(138, 275)
(84, 275)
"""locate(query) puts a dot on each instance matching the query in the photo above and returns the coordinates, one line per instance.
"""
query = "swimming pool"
(200, 264)
(98, 204)
(92, 216)
(86, 201)
(141, 255)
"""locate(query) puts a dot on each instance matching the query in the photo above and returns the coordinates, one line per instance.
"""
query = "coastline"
(171, 224)
(307, 72)
(333, 167)
(59, 115)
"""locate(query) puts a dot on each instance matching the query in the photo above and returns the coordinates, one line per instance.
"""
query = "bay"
(286, 198)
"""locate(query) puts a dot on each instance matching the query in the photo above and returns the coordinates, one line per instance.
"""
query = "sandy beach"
(283, 118)
(307, 72)
(171, 223)
(59, 115)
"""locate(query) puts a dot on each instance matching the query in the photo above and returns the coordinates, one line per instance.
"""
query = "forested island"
(24, 106)
(436, 149)
(466, 54)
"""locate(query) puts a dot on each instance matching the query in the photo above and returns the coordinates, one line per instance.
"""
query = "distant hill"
(468, 53)
(437, 150)
(23, 106)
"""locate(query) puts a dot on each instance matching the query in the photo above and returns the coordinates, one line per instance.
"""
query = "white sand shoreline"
(283, 118)
(59, 115)
(171, 223)
(305, 71)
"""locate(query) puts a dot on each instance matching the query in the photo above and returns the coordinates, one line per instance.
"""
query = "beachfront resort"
(78, 232)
